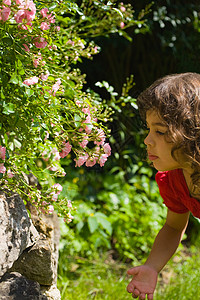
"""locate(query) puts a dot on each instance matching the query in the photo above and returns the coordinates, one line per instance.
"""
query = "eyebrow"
(158, 124)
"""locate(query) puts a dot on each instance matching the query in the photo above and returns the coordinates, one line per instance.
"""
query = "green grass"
(106, 279)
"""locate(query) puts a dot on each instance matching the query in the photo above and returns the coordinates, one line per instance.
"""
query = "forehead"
(154, 119)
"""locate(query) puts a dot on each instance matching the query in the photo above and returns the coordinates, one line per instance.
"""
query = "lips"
(152, 157)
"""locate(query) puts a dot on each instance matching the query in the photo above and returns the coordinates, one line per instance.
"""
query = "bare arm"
(145, 277)
(167, 240)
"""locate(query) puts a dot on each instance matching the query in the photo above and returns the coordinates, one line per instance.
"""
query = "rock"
(51, 292)
(40, 262)
(14, 286)
(36, 262)
(16, 229)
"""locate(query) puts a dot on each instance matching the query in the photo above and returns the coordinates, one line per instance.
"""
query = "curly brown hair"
(176, 98)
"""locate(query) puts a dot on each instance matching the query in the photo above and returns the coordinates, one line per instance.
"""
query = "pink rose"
(26, 48)
(103, 159)
(66, 149)
(69, 204)
(7, 2)
(107, 149)
(31, 80)
(5, 13)
(50, 209)
(2, 168)
(57, 187)
(36, 62)
(122, 25)
(44, 76)
(40, 42)
(81, 160)
(44, 26)
(100, 137)
(2, 152)
(56, 86)
(44, 12)
(90, 162)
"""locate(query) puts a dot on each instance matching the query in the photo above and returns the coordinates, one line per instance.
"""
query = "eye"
(159, 132)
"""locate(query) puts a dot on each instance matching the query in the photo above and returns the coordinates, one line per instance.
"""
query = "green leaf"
(17, 143)
(8, 108)
(92, 223)
(14, 79)
(102, 219)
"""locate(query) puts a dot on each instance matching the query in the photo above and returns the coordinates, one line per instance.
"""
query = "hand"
(143, 282)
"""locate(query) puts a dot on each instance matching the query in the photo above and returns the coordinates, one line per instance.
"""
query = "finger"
(142, 296)
(150, 296)
(133, 271)
(135, 293)
(130, 287)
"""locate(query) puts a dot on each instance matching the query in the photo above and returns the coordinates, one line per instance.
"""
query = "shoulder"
(167, 177)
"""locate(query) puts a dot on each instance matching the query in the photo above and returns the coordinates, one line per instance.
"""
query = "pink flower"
(103, 159)
(19, 2)
(88, 129)
(36, 62)
(81, 159)
(57, 187)
(122, 25)
(69, 217)
(44, 26)
(2, 168)
(27, 11)
(95, 49)
(84, 142)
(31, 80)
(69, 204)
(26, 48)
(100, 137)
(107, 149)
(56, 86)
(54, 196)
(122, 8)
(44, 76)
(40, 42)
(10, 174)
(5, 13)
(2, 152)
(44, 12)
(90, 162)
(56, 154)
(7, 2)
(58, 28)
(66, 149)
(50, 209)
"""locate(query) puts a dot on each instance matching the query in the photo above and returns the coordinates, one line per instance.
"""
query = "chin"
(165, 168)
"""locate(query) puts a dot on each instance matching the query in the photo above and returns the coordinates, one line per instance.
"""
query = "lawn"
(106, 279)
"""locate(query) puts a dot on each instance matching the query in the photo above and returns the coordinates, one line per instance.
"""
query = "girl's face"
(158, 148)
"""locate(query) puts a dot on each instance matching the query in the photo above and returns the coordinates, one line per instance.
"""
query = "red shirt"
(175, 193)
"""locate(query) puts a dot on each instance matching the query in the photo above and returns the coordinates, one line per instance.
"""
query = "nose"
(149, 140)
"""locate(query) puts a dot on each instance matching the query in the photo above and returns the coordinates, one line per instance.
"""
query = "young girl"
(171, 109)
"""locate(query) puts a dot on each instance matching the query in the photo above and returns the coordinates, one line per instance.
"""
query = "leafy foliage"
(44, 111)
(112, 214)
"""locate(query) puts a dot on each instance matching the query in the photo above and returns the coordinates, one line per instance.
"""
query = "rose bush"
(45, 113)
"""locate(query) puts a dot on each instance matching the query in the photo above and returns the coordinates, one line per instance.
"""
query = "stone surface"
(14, 286)
(16, 229)
(51, 292)
(39, 262)
(36, 262)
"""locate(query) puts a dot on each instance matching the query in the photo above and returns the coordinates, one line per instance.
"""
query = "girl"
(171, 109)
